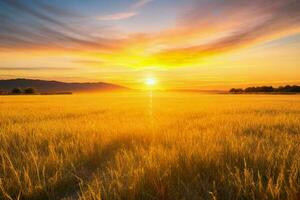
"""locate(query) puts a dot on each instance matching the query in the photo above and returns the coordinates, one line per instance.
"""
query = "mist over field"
(150, 145)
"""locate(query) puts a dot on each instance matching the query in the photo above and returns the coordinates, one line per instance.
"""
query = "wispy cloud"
(126, 15)
(35, 68)
(205, 28)
(206, 20)
(88, 62)
(48, 27)
(118, 16)
(140, 3)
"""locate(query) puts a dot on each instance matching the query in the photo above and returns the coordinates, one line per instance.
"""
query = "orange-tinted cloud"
(118, 16)
(213, 27)
(203, 29)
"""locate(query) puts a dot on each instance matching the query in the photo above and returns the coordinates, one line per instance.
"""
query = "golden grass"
(125, 146)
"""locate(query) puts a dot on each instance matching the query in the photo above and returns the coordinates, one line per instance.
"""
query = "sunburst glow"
(150, 81)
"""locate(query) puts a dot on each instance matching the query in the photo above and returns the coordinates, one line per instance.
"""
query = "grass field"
(134, 146)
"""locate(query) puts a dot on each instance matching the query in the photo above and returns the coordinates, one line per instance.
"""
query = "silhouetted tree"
(288, 88)
(29, 91)
(268, 89)
(16, 91)
(259, 89)
(236, 90)
(250, 89)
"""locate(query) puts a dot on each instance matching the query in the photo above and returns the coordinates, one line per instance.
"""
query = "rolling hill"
(56, 86)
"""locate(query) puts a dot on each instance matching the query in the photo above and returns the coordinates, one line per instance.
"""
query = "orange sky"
(191, 44)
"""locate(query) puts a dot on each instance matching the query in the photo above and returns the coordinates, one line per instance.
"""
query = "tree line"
(267, 89)
(23, 91)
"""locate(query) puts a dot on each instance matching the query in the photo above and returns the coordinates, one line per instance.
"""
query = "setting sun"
(150, 81)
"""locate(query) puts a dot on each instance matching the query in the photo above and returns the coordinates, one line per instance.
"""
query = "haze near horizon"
(179, 44)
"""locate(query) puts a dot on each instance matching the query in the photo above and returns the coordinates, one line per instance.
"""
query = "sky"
(190, 44)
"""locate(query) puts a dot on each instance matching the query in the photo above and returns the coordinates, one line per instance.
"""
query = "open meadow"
(160, 146)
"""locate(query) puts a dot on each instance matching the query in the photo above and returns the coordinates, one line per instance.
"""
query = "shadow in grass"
(97, 159)
(193, 178)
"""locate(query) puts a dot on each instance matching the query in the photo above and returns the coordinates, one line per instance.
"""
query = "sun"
(150, 81)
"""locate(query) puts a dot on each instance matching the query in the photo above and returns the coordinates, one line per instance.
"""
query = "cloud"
(118, 16)
(88, 62)
(34, 68)
(126, 15)
(24, 8)
(222, 26)
(140, 3)
(46, 27)
(205, 28)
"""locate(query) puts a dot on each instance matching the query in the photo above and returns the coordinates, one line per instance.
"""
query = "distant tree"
(295, 88)
(268, 89)
(289, 88)
(232, 90)
(16, 91)
(261, 89)
(236, 90)
(29, 91)
(250, 89)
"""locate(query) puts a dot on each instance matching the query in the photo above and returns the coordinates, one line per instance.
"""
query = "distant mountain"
(56, 86)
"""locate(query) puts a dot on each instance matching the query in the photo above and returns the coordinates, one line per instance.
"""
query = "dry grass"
(118, 146)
